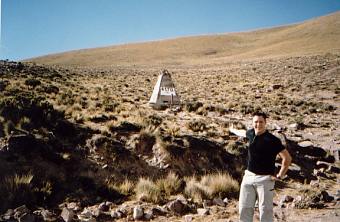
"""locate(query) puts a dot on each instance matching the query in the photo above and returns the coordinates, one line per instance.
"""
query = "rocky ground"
(71, 137)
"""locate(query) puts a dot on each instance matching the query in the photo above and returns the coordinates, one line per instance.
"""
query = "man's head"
(259, 122)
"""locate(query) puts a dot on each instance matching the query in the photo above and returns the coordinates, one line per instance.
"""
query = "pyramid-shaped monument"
(164, 93)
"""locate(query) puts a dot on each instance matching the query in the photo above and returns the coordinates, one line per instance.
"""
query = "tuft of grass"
(195, 190)
(196, 125)
(127, 187)
(16, 190)
(147, 190)
(220, 185)
(210, 186)
(172, 184)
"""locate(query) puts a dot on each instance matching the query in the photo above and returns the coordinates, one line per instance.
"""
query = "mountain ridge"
(315, 36)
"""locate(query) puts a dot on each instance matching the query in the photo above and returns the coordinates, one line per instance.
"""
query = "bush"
(193, 106)
(220, 185)
(196, 126)
(172, 184)
(16, 190)
(210, 186)
(147, 190)
(195, 190)
(32, 82)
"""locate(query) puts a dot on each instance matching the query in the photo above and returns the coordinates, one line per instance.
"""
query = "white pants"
(254, 187)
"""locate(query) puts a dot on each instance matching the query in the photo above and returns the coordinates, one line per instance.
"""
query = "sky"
(31, 28)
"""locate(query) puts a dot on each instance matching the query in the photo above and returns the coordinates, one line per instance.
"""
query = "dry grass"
(309, 37)
(220, 185)
(210, 186)
(171, 184)
(147, 190)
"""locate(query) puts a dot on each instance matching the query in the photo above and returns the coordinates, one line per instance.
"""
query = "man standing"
(259, 178)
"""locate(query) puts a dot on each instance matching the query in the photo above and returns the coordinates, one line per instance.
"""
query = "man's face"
(259, 124)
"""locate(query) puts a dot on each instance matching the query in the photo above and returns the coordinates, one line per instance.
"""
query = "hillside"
(314, 36)
(78, 141)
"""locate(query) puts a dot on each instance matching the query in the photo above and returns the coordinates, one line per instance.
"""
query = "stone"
(148, 215)
(177, 207)
(305, 144)
(47, 215)
(73, 206)
(203, 211)
(218, 202)
(160, 211)
(207, 203)
(103, 207)
(314, 183)
(19, 211)
(9, 214)
(138, 212)
(67, 214)
(333, 169)
(188, 218)
(322, 164)
(27, 217)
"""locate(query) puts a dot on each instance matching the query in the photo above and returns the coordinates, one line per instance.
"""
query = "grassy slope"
(311, 37)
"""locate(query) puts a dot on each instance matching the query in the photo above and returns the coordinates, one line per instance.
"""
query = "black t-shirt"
(262, 152)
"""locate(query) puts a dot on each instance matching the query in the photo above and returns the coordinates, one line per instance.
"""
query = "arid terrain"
(79, 142)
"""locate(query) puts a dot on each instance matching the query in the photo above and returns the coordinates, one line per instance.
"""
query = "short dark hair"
(260, 113)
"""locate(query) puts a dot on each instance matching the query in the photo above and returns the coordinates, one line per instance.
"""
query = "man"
(259, 178)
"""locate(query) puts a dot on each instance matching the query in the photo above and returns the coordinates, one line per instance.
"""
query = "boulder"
(138, 212)
(203, 211)
(67, 214)
(177, 207)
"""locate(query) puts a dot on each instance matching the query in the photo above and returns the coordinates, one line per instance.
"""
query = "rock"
(305, 144)
(160, 211)
(67, 214)
(103, 207)
(47, 215)
(314, 183)
(138, 212)
(207, 203)
(148, 215)
(218, 202)
(188, 218)
(333, 169)
(276, 86)
(19, 211)
(287, 198)
(27, 217)
(73, 206)
(9, 214)
(322, 164)
(177, 207)
(203, 211)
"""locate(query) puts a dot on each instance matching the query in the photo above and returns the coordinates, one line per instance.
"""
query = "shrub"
(145, 143)
(147, 190)
(220, 185)
(153, 120)
(172, 184)
(16, 190)
(193, 106)
(196, 125)
(32, 82)
(127, 187)
(235, 148)
(195, 190)
(210, 186)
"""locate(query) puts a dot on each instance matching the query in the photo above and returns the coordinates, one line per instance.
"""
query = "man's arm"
(286, 161)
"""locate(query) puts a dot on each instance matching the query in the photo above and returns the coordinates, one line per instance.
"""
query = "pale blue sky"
(31, 28)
